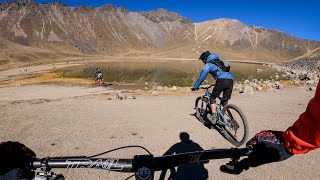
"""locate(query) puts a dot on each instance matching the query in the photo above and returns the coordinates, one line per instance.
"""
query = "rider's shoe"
(208, 124)
(212, 118)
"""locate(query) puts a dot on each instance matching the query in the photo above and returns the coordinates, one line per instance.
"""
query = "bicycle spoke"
(234, 132)
(230, 114)
(202, 109)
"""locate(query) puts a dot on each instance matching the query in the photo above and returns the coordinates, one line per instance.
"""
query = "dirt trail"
(62, 121)
(23, 71)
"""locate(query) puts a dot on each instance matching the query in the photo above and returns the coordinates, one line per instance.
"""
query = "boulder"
(154, 92)
(277, 83)
(247, 90)
(174, 88)
(131, 97)
(310, 75)
(115, 95)
(238, 87)
(270, 85)
(121, 95)
(280, 86)
(292, 76)
(312, 88)
(259, 88)
(270, 90)
(254, 85)
(160, 88)
(283, 75)
(303, 77)
(310, 82)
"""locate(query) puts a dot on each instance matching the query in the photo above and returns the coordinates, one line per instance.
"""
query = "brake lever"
(236, 158)
(234, 161)
(250, 150)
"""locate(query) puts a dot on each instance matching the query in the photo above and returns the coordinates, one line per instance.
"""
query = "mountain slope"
(58, 30)
(308, 63)
(233, 37)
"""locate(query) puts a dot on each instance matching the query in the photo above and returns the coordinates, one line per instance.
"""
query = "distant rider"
(224, 82)
(98, 76)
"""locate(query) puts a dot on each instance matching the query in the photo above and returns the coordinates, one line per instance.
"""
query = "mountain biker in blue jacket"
(224, 81)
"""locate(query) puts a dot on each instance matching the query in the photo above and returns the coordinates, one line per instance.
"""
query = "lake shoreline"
(48, 74)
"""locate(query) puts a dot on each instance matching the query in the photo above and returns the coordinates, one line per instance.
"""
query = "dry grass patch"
(48, 78)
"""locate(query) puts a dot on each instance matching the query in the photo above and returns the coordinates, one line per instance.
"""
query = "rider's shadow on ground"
(186, 171)
(203, 119)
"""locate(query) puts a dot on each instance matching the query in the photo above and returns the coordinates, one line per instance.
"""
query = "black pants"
(225, 86)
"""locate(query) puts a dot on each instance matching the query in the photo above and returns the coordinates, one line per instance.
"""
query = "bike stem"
(144, 167)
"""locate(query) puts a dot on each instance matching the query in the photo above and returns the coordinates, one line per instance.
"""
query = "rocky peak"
(108, 7)
(27, 4)
(23, 1)
(83, 8)
(57, 4)
(18, 4)
(123, 10)
(163, 15)
(4, 5)
(227, 22)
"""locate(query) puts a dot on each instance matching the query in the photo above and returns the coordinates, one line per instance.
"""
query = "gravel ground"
(65, 121)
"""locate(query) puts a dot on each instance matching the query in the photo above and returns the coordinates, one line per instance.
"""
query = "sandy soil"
(64, 121)
(25, 71)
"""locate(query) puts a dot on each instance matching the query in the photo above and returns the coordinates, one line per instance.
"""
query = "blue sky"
(300, 18)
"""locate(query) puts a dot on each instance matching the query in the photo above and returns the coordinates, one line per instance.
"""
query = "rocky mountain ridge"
(306, 67)
(55, 29)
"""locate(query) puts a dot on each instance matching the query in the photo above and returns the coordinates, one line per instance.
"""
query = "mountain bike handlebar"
(112, 164)
(142, 165)
(206, 87)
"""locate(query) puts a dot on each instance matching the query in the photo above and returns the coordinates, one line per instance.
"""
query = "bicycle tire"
(227, 134)
(201, 113)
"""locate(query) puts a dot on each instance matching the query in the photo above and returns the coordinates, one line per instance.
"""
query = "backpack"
(223, 64)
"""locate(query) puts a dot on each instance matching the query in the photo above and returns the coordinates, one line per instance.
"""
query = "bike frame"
(220, 119)
(143, 166)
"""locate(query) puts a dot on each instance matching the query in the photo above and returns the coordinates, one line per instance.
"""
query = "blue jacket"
(213, 69)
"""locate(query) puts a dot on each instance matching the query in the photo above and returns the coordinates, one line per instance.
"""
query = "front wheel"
(202, 108)
(236, 129)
